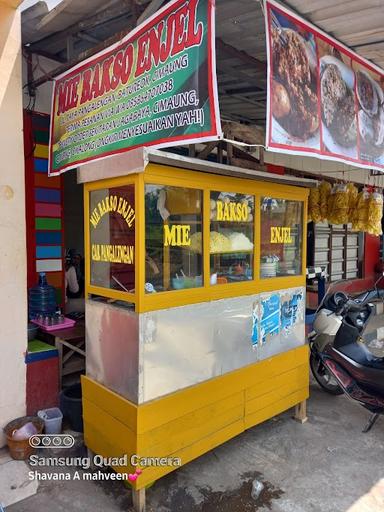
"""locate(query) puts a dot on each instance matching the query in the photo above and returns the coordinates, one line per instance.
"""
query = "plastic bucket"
(72, 406)
(52, 418)
(21, 449)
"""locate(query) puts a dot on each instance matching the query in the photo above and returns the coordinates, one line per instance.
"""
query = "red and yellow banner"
(157, 86)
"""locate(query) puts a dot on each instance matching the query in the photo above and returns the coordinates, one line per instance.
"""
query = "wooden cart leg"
(301, 412)
(138, 498)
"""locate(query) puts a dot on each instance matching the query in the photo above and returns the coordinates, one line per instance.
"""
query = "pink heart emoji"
(132, 477)
(138, 471)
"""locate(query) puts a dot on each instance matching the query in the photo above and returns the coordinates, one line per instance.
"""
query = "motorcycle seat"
(359, 353)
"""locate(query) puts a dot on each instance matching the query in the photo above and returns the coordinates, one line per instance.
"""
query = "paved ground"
(324, 465)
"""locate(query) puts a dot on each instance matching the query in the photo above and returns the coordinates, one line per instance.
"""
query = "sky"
(28, 3)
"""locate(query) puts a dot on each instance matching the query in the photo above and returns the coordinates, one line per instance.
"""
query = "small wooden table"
(74, 339)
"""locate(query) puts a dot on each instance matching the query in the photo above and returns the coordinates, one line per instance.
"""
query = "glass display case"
(195, 302)
(112, 238)
(173, 238)
(169, 237)
(231, 237)
(281, 237)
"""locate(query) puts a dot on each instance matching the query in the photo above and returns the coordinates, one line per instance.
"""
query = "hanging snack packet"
(375, 214)
(339, 205)
(352, 196)
(325, 190)
(314, 205)
(360, 217)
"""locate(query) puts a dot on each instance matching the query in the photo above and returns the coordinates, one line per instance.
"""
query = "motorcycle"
(339, 358)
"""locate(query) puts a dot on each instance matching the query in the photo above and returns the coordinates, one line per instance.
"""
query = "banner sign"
(323, 99)
(157, 86)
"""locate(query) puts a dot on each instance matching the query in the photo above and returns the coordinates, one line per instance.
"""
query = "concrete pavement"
(325, 465)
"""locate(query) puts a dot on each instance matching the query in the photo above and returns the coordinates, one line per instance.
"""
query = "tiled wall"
(44, 207)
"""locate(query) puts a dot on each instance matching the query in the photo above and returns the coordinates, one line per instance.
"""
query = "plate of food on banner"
(293, 92)
(338, 112)
(370, 97)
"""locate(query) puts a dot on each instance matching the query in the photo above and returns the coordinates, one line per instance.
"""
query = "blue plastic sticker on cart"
(290, 308)
(255, 325)
(270, 317)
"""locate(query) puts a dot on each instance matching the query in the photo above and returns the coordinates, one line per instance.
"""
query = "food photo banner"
(323, 99)
(157, 86)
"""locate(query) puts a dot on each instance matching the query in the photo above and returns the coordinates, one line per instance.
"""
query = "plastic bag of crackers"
(360, 217)
(375, 214)
(352, 196)
(325, 190)
(339, 205)
(314, 213)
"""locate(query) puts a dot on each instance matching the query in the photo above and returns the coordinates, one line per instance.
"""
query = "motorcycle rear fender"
(352, 389)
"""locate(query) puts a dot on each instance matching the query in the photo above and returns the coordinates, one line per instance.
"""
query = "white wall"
(13, 274)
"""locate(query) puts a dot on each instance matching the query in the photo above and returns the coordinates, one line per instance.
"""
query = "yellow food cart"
(195, 306)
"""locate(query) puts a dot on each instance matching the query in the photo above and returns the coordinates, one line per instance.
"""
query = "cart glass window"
(231, 237)
(112, 238)
(173, 238)
(281, 237)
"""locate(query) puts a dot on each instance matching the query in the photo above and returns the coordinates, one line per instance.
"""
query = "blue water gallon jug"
(42, 298)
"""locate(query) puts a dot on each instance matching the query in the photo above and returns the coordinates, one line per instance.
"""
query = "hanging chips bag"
(325, 189)
(314, 205)
(352, 196)
(360, 217)
(375, 214)
(339, 205)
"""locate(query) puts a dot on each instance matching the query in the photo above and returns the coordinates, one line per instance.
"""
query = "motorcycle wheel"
(323, 376)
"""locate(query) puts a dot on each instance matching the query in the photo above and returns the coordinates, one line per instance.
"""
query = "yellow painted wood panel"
(193, 421)
(189, 436)
(106, 436)
(161, 411)
(191, 452)
(276, 408)
(189, 421)
(295, 375)
(275, 366)
(41, 151)
(108, 426)
(277, 394)
(166, 409)
(112, 403)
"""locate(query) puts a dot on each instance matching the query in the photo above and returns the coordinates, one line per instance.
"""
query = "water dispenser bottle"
(42, 298)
